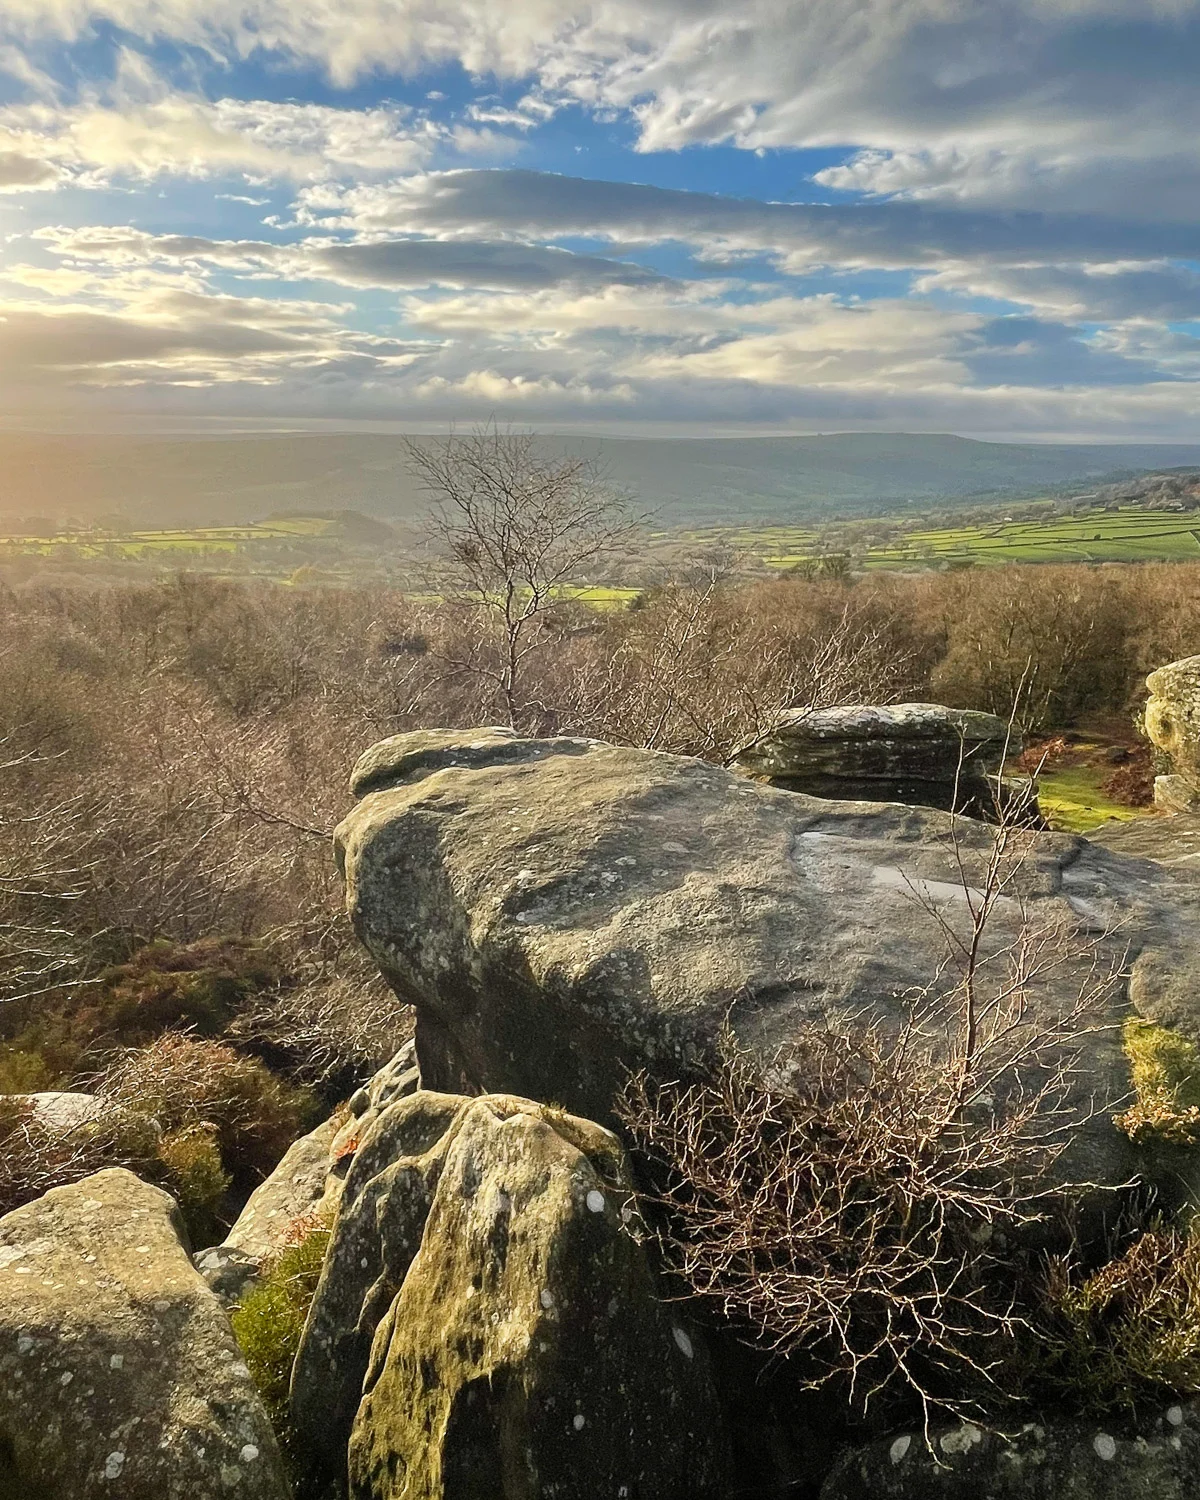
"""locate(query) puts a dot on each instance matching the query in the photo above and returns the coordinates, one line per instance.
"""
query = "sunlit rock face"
(119, 1373)
(563, 912)
(1172, 721)
(487, 1324)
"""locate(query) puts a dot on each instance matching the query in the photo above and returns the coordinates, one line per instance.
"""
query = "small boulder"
(119, 1373)
(1172, 722)
(62, 1111)
(1067, 1461)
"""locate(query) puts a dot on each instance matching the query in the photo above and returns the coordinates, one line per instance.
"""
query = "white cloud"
(499, 265)
(531, 205)
(999, 101)
(1151, 291)
(141, 127)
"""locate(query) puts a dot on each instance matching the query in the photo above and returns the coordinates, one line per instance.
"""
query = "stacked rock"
(921, 753)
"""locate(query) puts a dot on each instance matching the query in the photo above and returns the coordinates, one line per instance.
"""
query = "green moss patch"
(269, 1322)
(1165, 1071)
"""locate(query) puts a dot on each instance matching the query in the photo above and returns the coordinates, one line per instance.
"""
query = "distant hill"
(687, 481)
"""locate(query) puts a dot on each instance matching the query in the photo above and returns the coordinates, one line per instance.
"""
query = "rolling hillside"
(220, 480)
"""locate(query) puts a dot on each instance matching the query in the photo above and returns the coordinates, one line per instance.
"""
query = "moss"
(1165, 1072)
(191, 1160)
(269, 1322)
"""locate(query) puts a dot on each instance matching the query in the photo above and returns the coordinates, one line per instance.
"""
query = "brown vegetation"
(863, 1205)
(173, 758)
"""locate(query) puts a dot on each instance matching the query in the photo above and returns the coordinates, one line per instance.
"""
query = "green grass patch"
(1074, 801)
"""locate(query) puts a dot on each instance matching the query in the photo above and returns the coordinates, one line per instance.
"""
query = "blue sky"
(659, 216)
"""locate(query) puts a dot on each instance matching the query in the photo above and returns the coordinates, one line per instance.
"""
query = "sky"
(686, 217)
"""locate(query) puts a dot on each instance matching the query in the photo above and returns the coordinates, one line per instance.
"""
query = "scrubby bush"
(186, 1083)
(37, 1154)
(270, 1320)
(190, 1159)
(1128, 1334)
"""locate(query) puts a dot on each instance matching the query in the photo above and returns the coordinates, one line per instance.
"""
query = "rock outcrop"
(921, 753)
(1172, 722)
(1066, 1461)
(119, 1373)
(486, 1324)
(307, 1182)
(563, 911)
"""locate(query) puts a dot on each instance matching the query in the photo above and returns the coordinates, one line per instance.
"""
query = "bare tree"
(515, 527)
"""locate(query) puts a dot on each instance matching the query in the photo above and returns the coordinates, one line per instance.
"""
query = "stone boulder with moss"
(561, 912)
(487, 1324)
(1158, 1459)
(922, 753)
(1172, 723)
(119, 1372)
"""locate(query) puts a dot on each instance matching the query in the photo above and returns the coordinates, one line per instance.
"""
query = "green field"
(1125, 535)
(192, 543)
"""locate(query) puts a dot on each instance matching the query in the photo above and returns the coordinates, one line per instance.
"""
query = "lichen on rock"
(487, 1323)
(119, 1373)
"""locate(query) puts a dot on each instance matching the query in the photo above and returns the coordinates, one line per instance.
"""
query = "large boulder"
(1172, 722)
(904, 752)
(119, 1373)
(1081, 1460)
(561, 912)
(486, 1322)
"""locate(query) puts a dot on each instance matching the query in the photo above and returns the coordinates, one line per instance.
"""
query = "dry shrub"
(864, 1206)
(36, 1155)
(703, 668)
(190, 1160)
(184, 1082)
(1059, 641)
(854, 1221)
(331, 1032)
(1129, 1333)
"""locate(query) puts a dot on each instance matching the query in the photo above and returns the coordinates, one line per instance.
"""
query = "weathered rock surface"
(381, 1218)
(61, 1110)
(570, 910)
(1067, 1461)
(1172, 722)
(483, 1279)
(298, 1186)
(304, 1183)
(1176, 794)
(119, 1373)
(399, 1078)
(1172, 841)
(922, 753)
